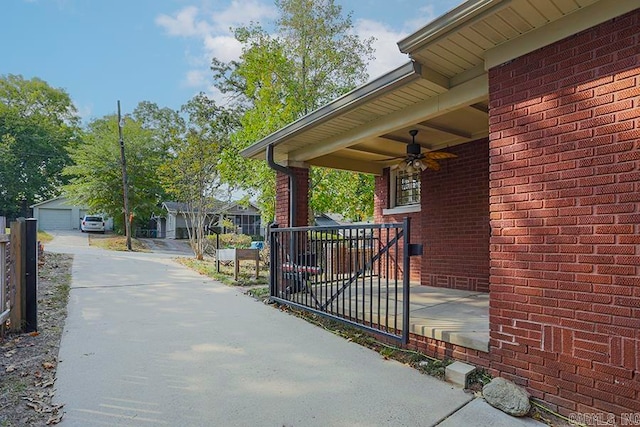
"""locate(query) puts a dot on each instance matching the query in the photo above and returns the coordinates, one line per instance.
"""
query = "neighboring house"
(173, 221)
(60, 214)
(330, 219)
(540, 102)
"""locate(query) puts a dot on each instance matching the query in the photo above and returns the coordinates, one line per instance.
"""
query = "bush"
(231, 240)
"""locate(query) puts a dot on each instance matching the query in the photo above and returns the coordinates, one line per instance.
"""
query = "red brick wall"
(282, 200)
(455, 220)
(565, 220)
(302, 198)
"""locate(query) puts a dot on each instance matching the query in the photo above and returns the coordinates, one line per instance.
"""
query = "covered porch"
(528, 224)
(356, 274)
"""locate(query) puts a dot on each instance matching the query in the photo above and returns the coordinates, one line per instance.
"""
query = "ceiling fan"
(415, 160)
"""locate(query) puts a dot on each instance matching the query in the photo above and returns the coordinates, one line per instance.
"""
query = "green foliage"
(313, 58)
(96, 176)
(323, 235)
(348, 193)
(37, 124)
(230, 240)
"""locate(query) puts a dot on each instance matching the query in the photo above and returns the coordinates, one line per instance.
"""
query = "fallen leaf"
(34, 333)
(55, 419)
(34, 406)
(48, 365)
(10, 368)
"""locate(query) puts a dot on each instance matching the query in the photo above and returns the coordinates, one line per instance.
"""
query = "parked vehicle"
(92, 223)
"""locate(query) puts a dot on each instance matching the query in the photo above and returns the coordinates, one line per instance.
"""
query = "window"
(404, 189)
(407, 188)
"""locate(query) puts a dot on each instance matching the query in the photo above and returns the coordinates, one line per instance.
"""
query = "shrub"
(231, 240)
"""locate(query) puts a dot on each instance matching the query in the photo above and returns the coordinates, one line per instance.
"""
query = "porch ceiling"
(443, 93)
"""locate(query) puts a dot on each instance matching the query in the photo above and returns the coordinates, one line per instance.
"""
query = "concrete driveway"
(148, 342)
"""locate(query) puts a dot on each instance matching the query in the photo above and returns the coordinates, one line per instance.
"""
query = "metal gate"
(357, 274)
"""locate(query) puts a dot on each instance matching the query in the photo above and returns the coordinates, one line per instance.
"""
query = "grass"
(246, 276)
(114, 242)
(44, 237)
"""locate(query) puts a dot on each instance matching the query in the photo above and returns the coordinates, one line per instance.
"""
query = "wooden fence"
(5, 289)
(18, 276)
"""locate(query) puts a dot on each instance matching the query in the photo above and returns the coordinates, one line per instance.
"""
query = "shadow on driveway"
(168, 246)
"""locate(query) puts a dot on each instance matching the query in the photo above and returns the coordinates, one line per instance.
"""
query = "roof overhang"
(443, 92)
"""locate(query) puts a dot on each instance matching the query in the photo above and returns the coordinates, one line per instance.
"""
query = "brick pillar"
(283, 198)
(565, 220)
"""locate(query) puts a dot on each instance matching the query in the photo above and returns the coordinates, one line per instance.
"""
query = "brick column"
(565, 211)
(283, 198)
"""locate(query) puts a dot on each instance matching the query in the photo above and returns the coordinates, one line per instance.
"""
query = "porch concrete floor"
(451, 315)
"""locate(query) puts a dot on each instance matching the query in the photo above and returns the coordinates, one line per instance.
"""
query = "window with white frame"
(405, 187)
(404, 191)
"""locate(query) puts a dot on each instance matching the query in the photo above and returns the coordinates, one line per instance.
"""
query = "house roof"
(330, 219)
(443, 92)
(59, 200)
(217, 207)
(44, 202)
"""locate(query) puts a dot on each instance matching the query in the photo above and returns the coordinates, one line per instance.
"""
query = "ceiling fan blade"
(437, 155)
(390, 159)
(432, 164)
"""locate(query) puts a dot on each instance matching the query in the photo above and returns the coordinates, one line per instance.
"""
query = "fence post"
(17, 276)
(273, 259)
(31, 276)
(406, 278)
(5, 305)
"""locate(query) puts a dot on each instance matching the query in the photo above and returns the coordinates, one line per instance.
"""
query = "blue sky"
(100, 51)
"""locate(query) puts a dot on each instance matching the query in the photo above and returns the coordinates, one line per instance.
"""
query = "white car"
(92, 223)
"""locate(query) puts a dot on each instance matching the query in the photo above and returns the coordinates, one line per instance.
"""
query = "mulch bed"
(28, 361)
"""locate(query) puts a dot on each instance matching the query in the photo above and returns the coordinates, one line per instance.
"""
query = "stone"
(507, 396)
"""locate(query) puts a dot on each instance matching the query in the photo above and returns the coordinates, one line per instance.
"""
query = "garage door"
(55, 219)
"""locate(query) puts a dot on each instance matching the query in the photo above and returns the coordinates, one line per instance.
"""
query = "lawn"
(115, 242)
(246, 277)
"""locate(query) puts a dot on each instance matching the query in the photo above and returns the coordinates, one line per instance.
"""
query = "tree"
(190, 174)
(96, 176)
(37, 125)
(312, 59)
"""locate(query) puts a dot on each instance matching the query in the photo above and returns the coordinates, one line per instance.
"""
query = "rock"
(507, 396)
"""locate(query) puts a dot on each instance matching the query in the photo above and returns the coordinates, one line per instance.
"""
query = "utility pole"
(125, 184)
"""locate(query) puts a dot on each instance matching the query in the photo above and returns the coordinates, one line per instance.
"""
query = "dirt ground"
(28, 361)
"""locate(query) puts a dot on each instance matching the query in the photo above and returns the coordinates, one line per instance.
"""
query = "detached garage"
(58, 214)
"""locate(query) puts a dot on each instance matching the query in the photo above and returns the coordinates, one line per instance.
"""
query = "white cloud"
(184, 23)
(425, 15)
(196, 78)
(387, 54)
(213, 31)
(241, 13)
(223, 47)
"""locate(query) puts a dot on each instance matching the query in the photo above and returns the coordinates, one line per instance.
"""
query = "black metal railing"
(354, 274)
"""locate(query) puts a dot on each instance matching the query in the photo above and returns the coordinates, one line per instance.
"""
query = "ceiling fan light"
(418, 165)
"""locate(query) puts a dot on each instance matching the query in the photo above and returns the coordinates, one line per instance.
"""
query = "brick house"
(541, 206)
